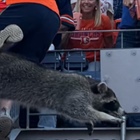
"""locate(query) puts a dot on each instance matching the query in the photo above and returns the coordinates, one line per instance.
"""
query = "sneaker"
(11, 33)
(6, 125)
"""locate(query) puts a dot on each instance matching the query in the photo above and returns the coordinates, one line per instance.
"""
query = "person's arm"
(63, 28)
(108, 41)
(66, 15)
(108, 36)
(128, 3)
(64, 41)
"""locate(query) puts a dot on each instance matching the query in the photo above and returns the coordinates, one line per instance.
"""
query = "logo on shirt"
(87, 37)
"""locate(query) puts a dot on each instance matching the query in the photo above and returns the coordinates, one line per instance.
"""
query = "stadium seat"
(52, 60)
(75, 61)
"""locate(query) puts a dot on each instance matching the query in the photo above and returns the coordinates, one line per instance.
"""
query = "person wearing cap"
(73, 3)
(107, 9)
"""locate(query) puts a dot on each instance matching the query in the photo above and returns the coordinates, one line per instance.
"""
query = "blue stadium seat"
(52, 60)
(75, 61)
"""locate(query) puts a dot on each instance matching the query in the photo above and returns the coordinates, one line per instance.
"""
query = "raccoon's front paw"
(90, 128)
(117, 120)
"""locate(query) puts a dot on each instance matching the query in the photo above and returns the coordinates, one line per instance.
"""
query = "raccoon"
(69, 94)
(106, 101)
(106, 97)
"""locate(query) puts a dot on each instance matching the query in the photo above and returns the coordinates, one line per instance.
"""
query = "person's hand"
(75, 22)
(76, 18)
(128, 3)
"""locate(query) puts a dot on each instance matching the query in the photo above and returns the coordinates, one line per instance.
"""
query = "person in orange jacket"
(31, 25)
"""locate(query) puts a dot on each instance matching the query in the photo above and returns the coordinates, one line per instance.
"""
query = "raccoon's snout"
(113, 108)
(121, 111)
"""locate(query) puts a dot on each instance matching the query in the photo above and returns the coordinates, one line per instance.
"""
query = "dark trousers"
(39, 25)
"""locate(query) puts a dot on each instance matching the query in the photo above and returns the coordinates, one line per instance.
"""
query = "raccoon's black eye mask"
(112, 105)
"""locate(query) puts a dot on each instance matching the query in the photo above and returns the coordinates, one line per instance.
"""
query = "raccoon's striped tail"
(11, 33)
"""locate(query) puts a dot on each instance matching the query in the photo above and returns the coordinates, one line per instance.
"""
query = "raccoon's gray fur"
(33, 85)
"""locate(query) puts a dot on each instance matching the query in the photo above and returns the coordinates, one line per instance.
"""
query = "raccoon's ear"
(102, 87)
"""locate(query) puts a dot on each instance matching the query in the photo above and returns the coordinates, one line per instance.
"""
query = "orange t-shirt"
(51, 4)
(90, 40)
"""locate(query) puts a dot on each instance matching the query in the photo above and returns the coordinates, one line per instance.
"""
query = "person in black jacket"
(66, 17)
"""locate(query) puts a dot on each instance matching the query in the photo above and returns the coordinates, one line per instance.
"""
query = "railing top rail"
(91, 31)
(87, 50)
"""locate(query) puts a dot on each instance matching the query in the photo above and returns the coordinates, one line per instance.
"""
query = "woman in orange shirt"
(92, 19)
(32, 24)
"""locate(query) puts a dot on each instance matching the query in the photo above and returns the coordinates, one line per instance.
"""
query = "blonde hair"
(97, 11)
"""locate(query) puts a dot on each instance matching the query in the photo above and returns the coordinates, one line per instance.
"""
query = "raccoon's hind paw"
(90, 128)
